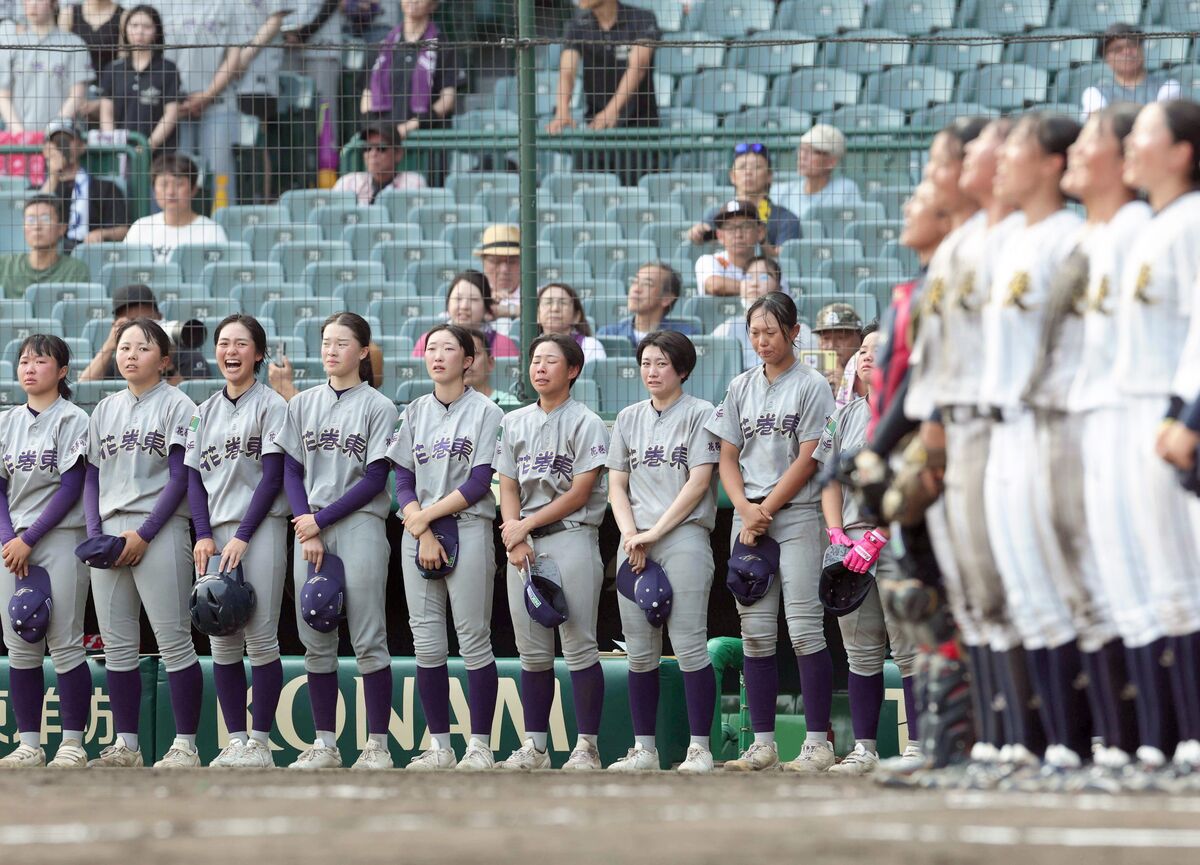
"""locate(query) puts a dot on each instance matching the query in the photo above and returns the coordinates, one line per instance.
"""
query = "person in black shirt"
(141, 90)
(96, 208)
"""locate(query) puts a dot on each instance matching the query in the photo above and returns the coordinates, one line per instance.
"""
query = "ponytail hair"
(362, 335)
(48, 345)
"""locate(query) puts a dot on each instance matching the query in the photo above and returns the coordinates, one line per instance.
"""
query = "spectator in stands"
(318, 22)
(140, 92)
(131, 302)
(817, 157)
(381, 157)
(560, 311)
(838, 328)
(98, 24)
(96, 208)
(499, 252)
(479, 376)
(1123, 52)
(652, 294)
(469, 305)
(44, 73)
(44, 228)
(750, 175)
(175, 185)
(763, 275)
(740, 230)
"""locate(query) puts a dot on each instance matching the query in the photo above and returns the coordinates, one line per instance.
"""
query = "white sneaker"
(318, 757)
(229, 757)
(527, 758)
(24, 757)
(255, 755)
(70, 755)
(912, 759)
(638, 759)
(477, 758)
(433, 760)
(814, 757)
(985, 752)
(375, 756)
(585, 758)
(699, 761)
(180, 755)
(860, 761)
(1187, 754)
(759, 756)
(118, 755)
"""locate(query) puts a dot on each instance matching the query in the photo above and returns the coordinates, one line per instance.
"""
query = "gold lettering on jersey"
(1018, 287)
(1142, 285)
(1098, 299)
(966, 291)
(935, 294)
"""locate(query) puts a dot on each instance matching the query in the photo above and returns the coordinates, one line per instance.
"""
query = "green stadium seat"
(12, 220)
(680, 60)
(467, 185)
(565, 237)
(661, 186)
(606, 309)
(836, 220)
(633, 218)
(20, 326)
(362, 238)
(666, 236)
(500, 121)
(820, 89)
(732, 19)
(711, 311)
(96, 255)
(619, 381)
(358, 296)
(588, 392)
(209, 307)
(718, 361)
(809, 255)
(567, 185)
(811, 229)
(812, 286)
(598, 202)
(308, 371)
(397, 256)
(153, 274)
(1177, 15)
(182, 291)
(550, 214)
(200, 389)
(864, 118)
(17, 307)
(1006, 86)
(75, 314)
(288, 312)
(1094, 16)
(263, 238)
(400, 202)
(400, 370)
(434, 219)
(296, 255)
(959, 50)
(848, 273)
(572, 271)
(892, 198)
(880, 287)
(415, 325)
(699, 201)
(250, 296)
(909, 88)
(939, 116)
(690, 119)
(407, 391)
(904, 255)
(756, 120)
(1070, 83)
(94, 333)
(723, 91)
(432, 278)
(614, 346)
(874, 233)
(772, 57)
(299, 203)
(912, 17)
(192, 258)
(394, 312)
(88, 394)
(464, 238)
(235, 219)
(333, 219)
(1053, 54)
(668, 13)
(603, 254)
(820, 17)
(1161, 50)
(221, 277)
(1005, 16)
(324, 276)
(42, 297)
(869, 55)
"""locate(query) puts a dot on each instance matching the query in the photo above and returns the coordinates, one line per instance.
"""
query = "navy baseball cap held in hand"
(31, 605)
(840, 589)
(752, 569)
(650, 590)
(323, 596)
(445, 529)
(544, 598)
(102, 551)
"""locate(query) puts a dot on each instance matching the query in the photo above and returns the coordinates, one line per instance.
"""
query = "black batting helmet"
(222, 603)
(841, 590)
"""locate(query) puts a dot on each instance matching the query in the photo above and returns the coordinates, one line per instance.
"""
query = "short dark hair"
(1182, 117)
(770, 264)
(51, 346)
(677, 347)
(478, 334)
(674, 282)
(257, 333)
(152, 330)
(567, 345)
(49, 200)
(869, 328)
(174, 165)
(1054, 132)
(477, 279)
(461, 334)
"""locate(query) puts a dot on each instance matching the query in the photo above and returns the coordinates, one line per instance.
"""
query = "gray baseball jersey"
(658, 450)
(846, 430)
(129, 439)
(543, 453)
(34, 452)
(336, 437)
(442, 444)
(226, 441)
(768, 423)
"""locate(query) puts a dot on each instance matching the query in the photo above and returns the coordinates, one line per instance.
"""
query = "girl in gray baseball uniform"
(867, 631)
(663, 492)
(135, 486)
(550, 457)
(235, 493)
(43, 459)
(443, 455)
(769, 424)
(334, 443)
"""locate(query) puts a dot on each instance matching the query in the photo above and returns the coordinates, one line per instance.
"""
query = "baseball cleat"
(477, 758)
(375, 756)
(814, 757)
(229, 757)
(585, 758)
(118, 755)
(255, 755)
(433, 760)
(24, 757)
(699, 761)
(759, 756)
(318, 757)
(638, 759)
(527, 758)
(180, 755)
(860, 761)
(70, 755)
(911, 760)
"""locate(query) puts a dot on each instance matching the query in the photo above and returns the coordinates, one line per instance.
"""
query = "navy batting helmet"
(841, 590)
(222, 603)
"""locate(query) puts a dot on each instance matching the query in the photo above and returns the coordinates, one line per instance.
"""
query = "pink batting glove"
(865, 552)
(838, 537)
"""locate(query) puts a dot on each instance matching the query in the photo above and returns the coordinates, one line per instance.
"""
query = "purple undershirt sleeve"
(263, 498)
(91, 501)
(406, 487)
(357, 497)
(293, 485)
(60, 504)
(170, 497)
(7, 533)
(198, 504)
(477, 484)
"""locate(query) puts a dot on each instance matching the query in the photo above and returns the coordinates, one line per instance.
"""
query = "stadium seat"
(848, 273)
(666, 236)
(668, 13)
(614, 346)
(1163, 51)
(14, 307)
(398, 371)
(358, 296)
(200, 389)
(287, 312)
(394, 312)
(1005, 16)
(1070, 83)
(89, 393)
(552, 214)
(661, 186)
(236, 218)
(1006, 86)
(21, 326)
(296, 255)
(464, 238)
(864, 118)
(732, 19)
(756, 120)
(407, 391)
(263, 238)
(397, 256)
(718, 360)
(432, 278)
(907, 258)
(499, 121)
(606, 309)
(1178, 15)
(878, 50)
(209, 307)
(598, 202)
(299, 203)
(250, 296)
(880, 287)
(723, 91)
(811, 229)
(414, 325)
(603, 254)
(824, 18)
(12, 220)
(399, 202)
(892, 198)
(564, 237)
(435, 218)
(1053, 54)
(572, 271)
(221, 278)
(94, 333)
(699, 201)
(937, 116)
(912, 17)
(680, 60)
(588, 392)
(809, 255)
(909, 88)
(959, 50)
(874, 233)
(819, 89)
(333, 219)
(182, 291)
(362, 238)
(96, 255)
(566, 186)
(634, 217)
(126, 272)
(836, 220)
(774, 57)
(42, 297)
(75, 314)
(1094, 16)
(690, 119)
(619, 381)
(467, 185)
(711, 311)
(813, 286)
(308, 371)
(325, 276)
(192, 258)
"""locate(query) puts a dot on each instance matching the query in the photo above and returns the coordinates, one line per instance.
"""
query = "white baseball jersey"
(846, 430)
(657, 450)
(769, 421)
(1107, 247)
(336, 437)
(543, 453)
(1013, 315)
(1155, 301)
(128, 440)
(441, 444)
(226, 441)
(34, 452)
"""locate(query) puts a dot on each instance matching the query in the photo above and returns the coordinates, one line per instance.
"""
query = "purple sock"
(28, 691)
(377, 694)
(1185, 685)
(433, 687)
(816, 689)
(643, 701)
(1039, 676)
(762, 687)
(323, 697)
(909, 684)
(700, 691)
(230, 682)
(537, 696)
(268, 684)
(125, 697)
(866, 703)
(482, 685)
(187, 693)
(587, 690)
(75, 697)
(1072, 714)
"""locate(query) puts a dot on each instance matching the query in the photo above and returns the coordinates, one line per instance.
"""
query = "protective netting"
(359, 156)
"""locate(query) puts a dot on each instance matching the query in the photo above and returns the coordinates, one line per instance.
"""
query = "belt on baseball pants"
(552, 529)
(761, 499)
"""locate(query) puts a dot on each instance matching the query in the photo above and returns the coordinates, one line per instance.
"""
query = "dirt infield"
(335, 818)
